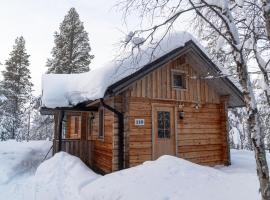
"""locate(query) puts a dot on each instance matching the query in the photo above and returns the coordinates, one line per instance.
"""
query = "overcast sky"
(37, 20)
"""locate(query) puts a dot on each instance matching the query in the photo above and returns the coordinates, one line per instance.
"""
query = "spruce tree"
(71, 53)
(16, 86)
(41, 125)
(2, 100)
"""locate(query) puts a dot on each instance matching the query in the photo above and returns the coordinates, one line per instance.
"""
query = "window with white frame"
(179, 80)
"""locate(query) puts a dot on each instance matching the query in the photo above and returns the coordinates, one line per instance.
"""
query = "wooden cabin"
(168, 107)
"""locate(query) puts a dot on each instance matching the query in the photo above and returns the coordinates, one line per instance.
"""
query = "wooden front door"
(163, 131)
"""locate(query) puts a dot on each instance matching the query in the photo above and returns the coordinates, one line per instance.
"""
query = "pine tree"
(41, 125)
(2, 100)
(71, 53)
(16, 86)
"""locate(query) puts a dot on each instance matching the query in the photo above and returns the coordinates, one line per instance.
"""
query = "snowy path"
(18, 163)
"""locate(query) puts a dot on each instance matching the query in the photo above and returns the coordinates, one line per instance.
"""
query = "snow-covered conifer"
(71, 53)
(41, 125)
(16, 88)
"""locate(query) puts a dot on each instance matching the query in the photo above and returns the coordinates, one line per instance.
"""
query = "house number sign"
(139, 122)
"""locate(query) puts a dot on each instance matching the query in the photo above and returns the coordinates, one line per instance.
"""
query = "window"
(64, 127)
(101, 123)
(76, 125)
(75, 129)
(90, 125)
(179, 80)
(164, 124)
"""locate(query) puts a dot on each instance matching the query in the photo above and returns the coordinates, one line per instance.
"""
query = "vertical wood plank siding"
(80, 148)
(201, 136)
(103, 147)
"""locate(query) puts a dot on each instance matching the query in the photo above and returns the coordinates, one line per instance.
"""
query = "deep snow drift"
(18, 163)
(62, 177)
(168, 178)
(17, 158)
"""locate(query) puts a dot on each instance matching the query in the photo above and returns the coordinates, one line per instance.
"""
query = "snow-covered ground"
(168, 178)
(18, 163)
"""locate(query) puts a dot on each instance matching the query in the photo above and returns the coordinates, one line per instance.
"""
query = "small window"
(179, 80)
(75, 130)
(76, 125)
(90, 125)
(64, 127)
(164, 124)
(101, 123)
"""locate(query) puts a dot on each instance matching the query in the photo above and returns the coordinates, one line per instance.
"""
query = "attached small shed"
(168, 105)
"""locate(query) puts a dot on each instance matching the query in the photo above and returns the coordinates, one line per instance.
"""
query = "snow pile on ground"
(18, 163)
(19, 157)
(167, 178)
(65, 90)
(62, 177)
(173, 179)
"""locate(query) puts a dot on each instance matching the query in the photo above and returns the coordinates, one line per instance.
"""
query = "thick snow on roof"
(66, 90)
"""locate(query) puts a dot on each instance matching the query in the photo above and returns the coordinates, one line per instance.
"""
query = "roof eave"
(190, 45)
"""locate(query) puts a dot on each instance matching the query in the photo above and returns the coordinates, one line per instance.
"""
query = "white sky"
(37, 20)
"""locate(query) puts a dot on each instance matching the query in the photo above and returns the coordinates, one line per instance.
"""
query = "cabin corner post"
(225, 129)
(120, 117)
(60, 124)
(55, 134)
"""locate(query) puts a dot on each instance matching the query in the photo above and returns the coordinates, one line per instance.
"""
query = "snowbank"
(18, 163)
(66, 177)
(17, 158)
(62, 177)
(167, 178)
(62, 90)
(173, 179)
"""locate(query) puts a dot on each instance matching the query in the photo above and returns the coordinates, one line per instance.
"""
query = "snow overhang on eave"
(52, 111)
(227, 87)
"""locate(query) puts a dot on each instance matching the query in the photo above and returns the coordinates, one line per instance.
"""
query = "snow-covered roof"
(67, 90)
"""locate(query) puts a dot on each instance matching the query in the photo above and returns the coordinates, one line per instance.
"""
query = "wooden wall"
(70, 125)
(103, 147)
(158, 85)
(201, 136)
(140, 137)
(69, 136)
(120, 104)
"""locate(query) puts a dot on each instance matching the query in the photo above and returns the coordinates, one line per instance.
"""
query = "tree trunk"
(260, 155)
(266, 14)
(262, 167)
(255, 131)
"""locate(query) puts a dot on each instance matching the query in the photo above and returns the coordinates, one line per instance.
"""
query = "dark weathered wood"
(60, 123)
(80, 148)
